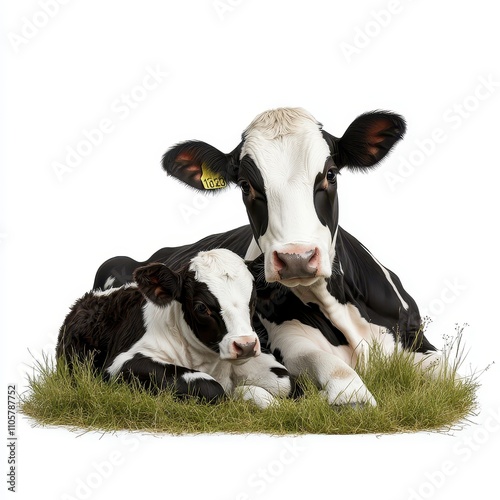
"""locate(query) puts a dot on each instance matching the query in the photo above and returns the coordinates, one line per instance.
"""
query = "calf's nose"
(296, 265)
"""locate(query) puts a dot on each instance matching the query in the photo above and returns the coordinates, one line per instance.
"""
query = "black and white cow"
(190, 331)
(323, 297)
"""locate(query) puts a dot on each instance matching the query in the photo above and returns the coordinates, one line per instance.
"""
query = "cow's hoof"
(353, 393)
(363, 355)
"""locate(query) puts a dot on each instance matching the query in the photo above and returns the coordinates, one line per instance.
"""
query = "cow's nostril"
(279, 263)
(314, 259)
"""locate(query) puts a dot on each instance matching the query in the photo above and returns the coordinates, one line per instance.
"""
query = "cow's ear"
(202, 166)
(158, 283)
(367, 140)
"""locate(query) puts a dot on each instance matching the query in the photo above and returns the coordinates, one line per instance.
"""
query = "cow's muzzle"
(296, 265)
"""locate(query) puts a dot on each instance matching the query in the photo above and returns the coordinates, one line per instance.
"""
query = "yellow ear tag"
(211, 180)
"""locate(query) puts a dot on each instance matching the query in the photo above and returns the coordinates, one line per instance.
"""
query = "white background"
(430, 212)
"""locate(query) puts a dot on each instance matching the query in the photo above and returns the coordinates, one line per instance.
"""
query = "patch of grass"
(408, 401)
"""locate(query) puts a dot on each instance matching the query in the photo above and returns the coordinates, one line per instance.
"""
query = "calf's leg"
(155, 375)
(260, 379)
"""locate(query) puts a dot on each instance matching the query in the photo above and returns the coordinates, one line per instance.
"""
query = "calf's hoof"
(201, 386)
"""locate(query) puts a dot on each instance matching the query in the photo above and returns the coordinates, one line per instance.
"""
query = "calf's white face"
(286, 167)
(231, 283)
(217, 297)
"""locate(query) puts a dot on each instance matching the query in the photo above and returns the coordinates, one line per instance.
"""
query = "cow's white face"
(282, 173)
(286, 167)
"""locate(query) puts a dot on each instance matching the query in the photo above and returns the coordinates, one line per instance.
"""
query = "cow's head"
(286, 167)
(217, 295)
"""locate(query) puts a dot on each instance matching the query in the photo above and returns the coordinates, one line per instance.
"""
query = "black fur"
(100, 327)
(254, 195)
(367, 140)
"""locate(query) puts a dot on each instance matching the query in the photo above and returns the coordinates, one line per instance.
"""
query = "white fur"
(109, 291)
(109, 282)
(258, 395)
(192, 376)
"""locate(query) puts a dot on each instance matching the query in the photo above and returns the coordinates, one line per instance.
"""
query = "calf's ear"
(367, 140)
(202, 166)
(158, 283)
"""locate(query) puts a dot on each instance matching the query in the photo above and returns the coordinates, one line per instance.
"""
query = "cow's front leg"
(358, 332)
(155, 376)
(305, 350)
(261, 380)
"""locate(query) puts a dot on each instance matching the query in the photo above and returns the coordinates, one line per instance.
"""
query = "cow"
(324, 299)
(189, 331)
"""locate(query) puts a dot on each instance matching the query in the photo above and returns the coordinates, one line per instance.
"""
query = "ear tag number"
(210, 179)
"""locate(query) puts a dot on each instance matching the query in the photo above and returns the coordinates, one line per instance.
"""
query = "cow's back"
(118, 271)
(377, 292)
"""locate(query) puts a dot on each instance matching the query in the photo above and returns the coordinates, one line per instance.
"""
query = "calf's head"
(217, 296)
(286, 167)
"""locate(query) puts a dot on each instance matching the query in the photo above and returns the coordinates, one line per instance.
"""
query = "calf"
(189, 331)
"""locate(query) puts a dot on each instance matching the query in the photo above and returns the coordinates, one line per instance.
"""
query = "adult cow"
(323, 297)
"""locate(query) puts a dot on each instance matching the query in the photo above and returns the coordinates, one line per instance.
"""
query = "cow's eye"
(201, 308)
(331, 175)
(245, 187)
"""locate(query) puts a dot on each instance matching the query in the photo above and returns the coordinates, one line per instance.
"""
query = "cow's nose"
(296, 265)
(245, 349)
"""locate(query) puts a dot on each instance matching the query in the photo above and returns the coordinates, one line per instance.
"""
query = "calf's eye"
(201, 308)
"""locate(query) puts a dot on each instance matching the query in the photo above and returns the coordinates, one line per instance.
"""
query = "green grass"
(408, 401)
